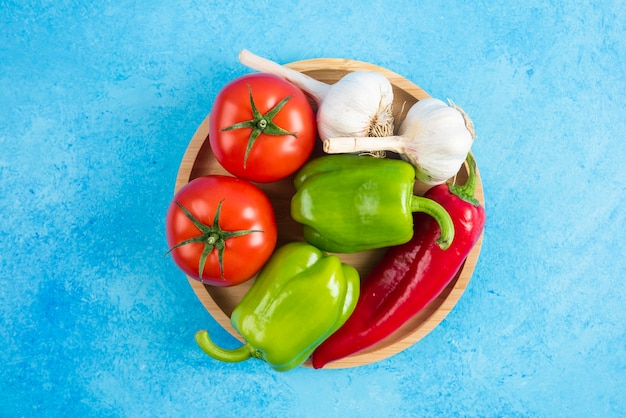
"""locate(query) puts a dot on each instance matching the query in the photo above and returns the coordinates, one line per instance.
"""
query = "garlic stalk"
(359, 104)
(435, 137)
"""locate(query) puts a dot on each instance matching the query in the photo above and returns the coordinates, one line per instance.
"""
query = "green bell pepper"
(300, 297)
(348, 203)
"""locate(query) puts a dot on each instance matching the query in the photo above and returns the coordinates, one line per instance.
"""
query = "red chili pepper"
(411, 275)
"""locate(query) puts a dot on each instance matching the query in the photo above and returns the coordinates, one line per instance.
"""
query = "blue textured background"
(98, 101)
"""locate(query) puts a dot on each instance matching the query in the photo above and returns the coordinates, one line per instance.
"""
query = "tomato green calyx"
(260, 123)
(212, 236)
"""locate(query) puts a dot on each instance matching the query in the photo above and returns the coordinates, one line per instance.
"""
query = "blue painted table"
(98, 103)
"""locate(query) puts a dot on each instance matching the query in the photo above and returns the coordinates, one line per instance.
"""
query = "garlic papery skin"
(434, 137)
(314, 88)
(359, 104)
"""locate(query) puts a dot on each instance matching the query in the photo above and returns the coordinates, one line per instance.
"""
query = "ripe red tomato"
(221, 226)
(262, 128)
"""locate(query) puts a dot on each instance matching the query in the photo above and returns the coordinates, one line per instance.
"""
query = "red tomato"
(251, 105)
(231, 219)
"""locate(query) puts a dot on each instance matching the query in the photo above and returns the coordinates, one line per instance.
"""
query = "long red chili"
(411, 275)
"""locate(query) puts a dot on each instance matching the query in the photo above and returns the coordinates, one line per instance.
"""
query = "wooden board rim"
(437, 311)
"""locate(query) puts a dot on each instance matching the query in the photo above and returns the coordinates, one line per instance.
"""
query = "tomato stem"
(260, 124)
(212, 236)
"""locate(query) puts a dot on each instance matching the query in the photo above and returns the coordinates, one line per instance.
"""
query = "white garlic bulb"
(434, 137)
(359, 104)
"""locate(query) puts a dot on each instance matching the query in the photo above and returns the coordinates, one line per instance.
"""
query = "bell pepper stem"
(231, 356)
(438, 212)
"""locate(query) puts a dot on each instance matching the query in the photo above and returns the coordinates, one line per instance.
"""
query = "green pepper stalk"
(349, 203)
(300, 297)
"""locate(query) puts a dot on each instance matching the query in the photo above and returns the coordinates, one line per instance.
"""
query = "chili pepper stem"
(438, 212)
(467, 191)
(231, 356)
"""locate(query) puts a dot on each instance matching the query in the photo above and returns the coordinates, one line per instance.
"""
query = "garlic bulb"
(435, 137)
(359, 104)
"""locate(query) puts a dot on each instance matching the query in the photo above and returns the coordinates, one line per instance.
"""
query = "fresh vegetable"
(349, 203)
(262, 128)
(359, 104)
(298, 299)
(410, 276)
(221, 230)
(434, 137)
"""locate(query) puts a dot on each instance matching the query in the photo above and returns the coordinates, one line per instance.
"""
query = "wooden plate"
(220, 302)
